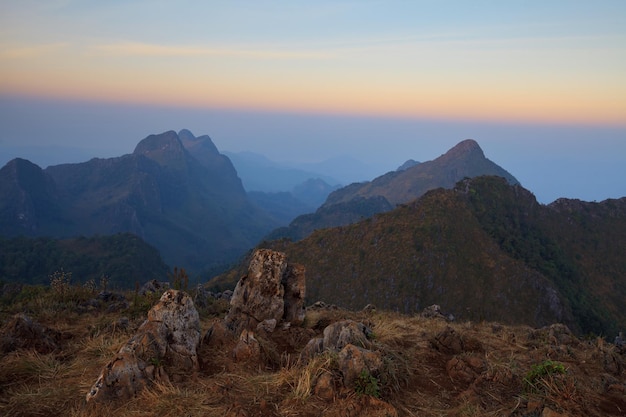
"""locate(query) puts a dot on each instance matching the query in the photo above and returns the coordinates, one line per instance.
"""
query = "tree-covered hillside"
(123, 259)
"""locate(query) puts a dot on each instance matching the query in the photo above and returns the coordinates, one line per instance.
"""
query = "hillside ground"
(431, 367)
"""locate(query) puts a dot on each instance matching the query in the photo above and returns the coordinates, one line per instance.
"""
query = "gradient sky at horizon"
(558, 67)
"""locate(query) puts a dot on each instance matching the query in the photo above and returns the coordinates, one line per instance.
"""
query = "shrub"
(540, 373)
(367, 384)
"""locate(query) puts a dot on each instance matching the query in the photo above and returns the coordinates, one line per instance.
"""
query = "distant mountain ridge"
(259, 173)
(466, 159)
(412, 180)
(484, 250)
(175, 191)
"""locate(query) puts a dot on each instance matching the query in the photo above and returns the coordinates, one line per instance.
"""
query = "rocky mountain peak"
(200, 143)
(467, 148)
(165, 148)
(19, 167)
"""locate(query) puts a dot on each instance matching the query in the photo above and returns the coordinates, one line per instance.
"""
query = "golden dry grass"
(415, 380)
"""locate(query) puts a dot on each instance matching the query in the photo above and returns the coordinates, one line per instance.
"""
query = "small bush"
(539, 373)
(367, 384)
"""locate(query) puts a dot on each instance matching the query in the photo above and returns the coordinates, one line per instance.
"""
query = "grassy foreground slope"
(488, 369)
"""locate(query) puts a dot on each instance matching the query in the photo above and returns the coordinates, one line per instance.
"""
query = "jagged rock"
(325, 386)
(314, 347)
(218, 335)
(247, 348)
(202, 296)
(272, 290)
(450, 342)
(336, 336)
(153, 286)
(294, 283)
(164, 345)
(23, 333)
(267, 326)
(555, 334)
(259, 295)
(354, 361)
(434, 312)
(345, 332)
(464, 369)
(369, 308)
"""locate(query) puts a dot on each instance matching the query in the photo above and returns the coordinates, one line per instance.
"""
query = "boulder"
(356, 363)
(342, 333)
(294, 283)
(434, 312)
(164, 345)
(336, 336)
(465, 369)
(450, 342)
(325, 386)
(314, 347)
(271, 290)
(218, 335)
(248, 348)
(153, 286)
(21, 332)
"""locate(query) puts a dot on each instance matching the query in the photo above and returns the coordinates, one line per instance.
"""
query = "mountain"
(175, 191)
(28, 200)
(408, 164)
(466, 159)
(410, 181)
(484, 250)
(345, 168)
(259, 173)
(282, 206)
(352, 211)
(313, 192)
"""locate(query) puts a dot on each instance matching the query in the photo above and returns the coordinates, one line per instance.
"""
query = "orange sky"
(528, 70)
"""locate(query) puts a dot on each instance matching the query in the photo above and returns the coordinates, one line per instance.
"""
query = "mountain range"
(175, 191)
(361, 200)
(458, 231)
(483, 250)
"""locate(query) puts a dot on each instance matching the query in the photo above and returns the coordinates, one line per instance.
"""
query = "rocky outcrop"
(355, 363)
(273, 290)
(21, 332)
(153, 286)
(164, 347)
(269, 297)
(448, 341)
(294, 283)
(434, 312)
(357, 356)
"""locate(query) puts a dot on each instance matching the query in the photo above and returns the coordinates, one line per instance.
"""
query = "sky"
(540, 85)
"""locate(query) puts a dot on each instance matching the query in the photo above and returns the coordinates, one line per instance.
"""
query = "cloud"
(156, 50)
(9, 51)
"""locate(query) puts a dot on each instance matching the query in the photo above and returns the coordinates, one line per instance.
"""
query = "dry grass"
(415, 380)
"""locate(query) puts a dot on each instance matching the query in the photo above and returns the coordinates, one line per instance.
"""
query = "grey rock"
(21, 332)
(165, 344)
(271, 290)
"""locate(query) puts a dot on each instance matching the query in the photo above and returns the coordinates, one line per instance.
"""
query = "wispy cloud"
(12, 51)
(156, 50)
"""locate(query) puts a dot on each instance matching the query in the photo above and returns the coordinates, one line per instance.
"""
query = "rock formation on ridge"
(164, 347)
